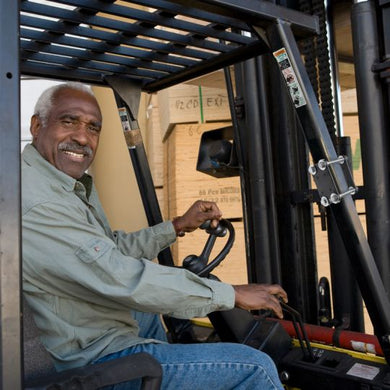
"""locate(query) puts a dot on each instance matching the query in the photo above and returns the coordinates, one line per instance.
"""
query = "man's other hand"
(260, 296)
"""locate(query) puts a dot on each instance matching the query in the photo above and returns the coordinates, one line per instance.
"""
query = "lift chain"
(317, 62)
(309, 51)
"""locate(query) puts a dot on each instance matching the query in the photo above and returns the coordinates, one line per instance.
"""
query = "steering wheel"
(200, 264)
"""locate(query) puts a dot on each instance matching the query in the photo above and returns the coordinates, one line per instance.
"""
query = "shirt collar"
(33, 158)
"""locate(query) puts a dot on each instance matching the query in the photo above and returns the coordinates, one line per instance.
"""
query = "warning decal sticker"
(124, 118)
(132, 137)
(363, 371)
(290, 77)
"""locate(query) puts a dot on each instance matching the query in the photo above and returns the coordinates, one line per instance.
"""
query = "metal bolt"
(339, 159)
(351, 191)
(325, 201)
(284, 376)
(322, 164)
(312, 170)
(334, 198)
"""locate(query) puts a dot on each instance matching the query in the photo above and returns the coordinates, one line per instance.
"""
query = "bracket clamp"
(326, 185)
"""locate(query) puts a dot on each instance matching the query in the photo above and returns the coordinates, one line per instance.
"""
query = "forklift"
(286, 132)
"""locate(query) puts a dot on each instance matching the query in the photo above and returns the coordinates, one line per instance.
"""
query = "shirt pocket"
(92, 250)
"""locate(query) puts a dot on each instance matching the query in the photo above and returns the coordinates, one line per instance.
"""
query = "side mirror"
(217, 154)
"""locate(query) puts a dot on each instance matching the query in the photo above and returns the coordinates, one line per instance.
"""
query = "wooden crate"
(183, 184)
(349, 101)
(161, 202)
(351, 129)
(186, 103)
(232, 270)
(153, 144)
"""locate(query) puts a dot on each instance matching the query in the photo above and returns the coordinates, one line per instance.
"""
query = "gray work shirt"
(81, 278)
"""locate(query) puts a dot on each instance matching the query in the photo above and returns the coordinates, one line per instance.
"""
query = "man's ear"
(35, 126)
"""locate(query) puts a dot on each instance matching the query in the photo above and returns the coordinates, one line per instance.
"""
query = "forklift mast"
(285, 110)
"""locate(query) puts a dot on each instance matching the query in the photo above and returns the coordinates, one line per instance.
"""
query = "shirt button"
(97, 248)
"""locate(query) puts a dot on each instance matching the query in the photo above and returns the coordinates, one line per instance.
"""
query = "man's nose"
(81, 134)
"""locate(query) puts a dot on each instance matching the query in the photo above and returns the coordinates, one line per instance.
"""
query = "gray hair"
(45, 102)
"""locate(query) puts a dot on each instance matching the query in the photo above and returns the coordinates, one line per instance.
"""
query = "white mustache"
(75, 147)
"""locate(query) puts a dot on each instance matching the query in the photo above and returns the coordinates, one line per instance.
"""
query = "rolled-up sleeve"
(70, 256)
(146, 243)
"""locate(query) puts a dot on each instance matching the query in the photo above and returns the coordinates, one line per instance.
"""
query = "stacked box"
(154, 149)
(186, 103)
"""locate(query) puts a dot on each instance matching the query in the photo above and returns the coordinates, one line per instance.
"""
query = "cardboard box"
(185, 103)
(183, 184)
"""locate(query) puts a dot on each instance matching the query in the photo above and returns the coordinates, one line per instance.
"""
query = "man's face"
(70, 136)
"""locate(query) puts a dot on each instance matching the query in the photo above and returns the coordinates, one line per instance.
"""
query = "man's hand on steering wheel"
(197, 214)
(248, 296)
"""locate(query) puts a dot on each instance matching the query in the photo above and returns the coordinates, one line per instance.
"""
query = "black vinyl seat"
(39, 371)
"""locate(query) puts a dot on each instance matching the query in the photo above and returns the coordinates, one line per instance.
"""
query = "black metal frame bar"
(159, 47)
(346, 297)
(259, 13)
(10, 231)
(253, 132)
(128, 95)
(295, 221)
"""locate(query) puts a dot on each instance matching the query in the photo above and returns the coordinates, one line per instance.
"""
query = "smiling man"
(67, 134)
(94, 292)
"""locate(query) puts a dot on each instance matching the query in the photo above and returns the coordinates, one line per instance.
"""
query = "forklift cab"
(284, 105)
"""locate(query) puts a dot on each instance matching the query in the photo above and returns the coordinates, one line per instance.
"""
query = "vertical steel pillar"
(295, 219)
(264, 264)
(374, 125)
(240, 158)
(10, 231)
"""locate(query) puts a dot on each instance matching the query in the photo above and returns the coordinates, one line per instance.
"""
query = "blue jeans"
(214, 366)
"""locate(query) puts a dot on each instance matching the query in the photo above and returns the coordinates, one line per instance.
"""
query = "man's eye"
(94, 128)
(67, 123)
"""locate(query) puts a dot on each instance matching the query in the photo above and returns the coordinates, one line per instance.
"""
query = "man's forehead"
(72, 93)
(76, 101)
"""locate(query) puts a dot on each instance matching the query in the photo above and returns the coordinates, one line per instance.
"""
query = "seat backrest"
(39, 371)
(37, 361)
